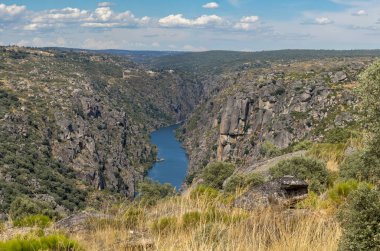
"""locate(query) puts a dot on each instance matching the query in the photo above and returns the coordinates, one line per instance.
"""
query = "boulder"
(78, 222)
(340, 76)
(283, 192)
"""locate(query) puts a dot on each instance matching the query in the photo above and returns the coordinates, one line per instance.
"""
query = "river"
(174, 161)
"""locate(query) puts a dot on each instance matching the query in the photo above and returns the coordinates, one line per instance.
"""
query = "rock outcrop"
(261, 112)
(283, 192)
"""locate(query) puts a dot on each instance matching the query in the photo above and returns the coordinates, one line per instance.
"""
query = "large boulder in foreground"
(285, 192)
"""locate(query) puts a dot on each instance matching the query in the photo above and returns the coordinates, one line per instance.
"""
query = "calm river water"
(172, 169)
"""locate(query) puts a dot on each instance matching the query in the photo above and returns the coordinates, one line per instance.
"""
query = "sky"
(192, 25)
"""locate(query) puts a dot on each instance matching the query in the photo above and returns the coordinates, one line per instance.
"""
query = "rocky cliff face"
(268, 110)
(78, 110)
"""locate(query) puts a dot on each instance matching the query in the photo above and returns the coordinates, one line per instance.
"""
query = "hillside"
(282, 145)
(262, 113)
(72, 123)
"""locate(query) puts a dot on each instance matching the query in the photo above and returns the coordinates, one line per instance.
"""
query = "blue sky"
(248, 25)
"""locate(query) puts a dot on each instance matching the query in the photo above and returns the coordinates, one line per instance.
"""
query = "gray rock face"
(234, 116)
(277, 105)
(284, 192)
(340, 76)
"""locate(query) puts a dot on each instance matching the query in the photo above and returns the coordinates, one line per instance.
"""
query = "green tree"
(360, 218)
(214, 174)
(369, 92)
(149, 191)
(308, 169)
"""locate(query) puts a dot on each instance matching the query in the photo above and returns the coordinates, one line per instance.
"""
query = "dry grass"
(214, 225)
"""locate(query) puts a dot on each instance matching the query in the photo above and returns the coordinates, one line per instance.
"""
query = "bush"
(204, 192)
(149, 192)
(38, 220)
(51, 242)
(240, 181)
(302, 145)
(269, 150)
(22, 207)
(360, 219)
(341, 190)
(191, 219)
(132, 217)
(362, 167)
(338, 135)
(327, 151)
(214, 174)
(312, 171)
(164, 224)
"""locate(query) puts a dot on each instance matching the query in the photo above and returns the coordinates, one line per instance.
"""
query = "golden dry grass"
(227, 228)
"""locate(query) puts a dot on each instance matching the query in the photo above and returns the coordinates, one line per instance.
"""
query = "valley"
(88, 139)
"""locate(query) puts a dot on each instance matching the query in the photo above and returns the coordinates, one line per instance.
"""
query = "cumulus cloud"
(103, 14)
(360, 13)
(9, 12)
(211, 5)
(250, 19)
(60, 15)
(180, 21)
(247, 23)
(102, 17)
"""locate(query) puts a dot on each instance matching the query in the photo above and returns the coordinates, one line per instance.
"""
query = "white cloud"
(211, 5)
(102, 25)
(9, 12)
(60, 15)
(103, 14)
(250, 19)
(105, 4)
(360, 13)
(247, 23)
(323, 20)
(102, 17)
(179, 21)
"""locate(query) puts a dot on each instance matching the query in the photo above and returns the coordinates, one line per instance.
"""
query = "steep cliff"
(264, 112)
(72, 123)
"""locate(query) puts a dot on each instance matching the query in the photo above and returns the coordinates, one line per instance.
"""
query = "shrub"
(243, 181)
(189, 178)
(22, 207)
(149, 192)
(38, 220)
(164, 224)
(312, 201)
(360, 218)
(361, 166)
(338, 135)
(312, 171)
(132, 217)
(204, 192)
(214, 174)
(302, 145)
(213, 215)
(327, 151)
(341, 190)
(51, 242)
(191, 219)
(269, 150)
